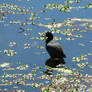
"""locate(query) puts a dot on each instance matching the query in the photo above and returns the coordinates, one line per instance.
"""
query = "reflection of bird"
(54, 49)
(55, 62)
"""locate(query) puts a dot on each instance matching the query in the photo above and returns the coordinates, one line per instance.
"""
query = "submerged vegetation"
(27, 22)
(66, 79)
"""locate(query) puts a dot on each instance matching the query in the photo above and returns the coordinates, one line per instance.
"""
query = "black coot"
(54, 49)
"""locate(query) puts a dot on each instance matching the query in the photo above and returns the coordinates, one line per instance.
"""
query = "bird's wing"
(55, 48)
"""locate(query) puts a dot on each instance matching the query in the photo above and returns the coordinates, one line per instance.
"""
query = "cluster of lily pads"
(10, 52)
(11, 9)
(66, 7)
(66, 79)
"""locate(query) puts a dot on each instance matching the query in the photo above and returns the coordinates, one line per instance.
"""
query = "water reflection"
(54, 63)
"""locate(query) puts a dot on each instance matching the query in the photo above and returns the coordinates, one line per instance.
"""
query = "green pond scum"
(23, 24)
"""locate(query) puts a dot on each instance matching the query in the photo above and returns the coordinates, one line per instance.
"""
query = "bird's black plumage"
(54, 49)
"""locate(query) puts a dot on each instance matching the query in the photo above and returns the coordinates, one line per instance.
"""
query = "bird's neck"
(48, 40)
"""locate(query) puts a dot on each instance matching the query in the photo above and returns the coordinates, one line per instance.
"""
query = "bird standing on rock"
(53, 48)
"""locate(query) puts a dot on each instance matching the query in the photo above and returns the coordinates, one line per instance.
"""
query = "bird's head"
(49, 36)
